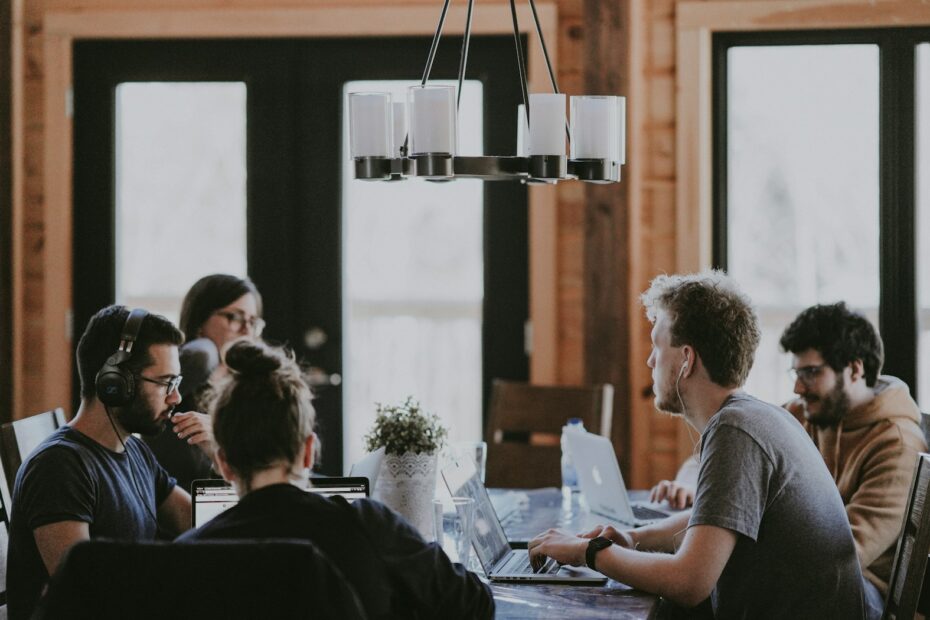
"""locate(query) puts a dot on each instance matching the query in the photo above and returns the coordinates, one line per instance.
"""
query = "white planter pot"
(406, 484)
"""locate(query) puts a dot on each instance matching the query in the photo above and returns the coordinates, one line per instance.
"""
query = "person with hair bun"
(263, 424)
(217, 310)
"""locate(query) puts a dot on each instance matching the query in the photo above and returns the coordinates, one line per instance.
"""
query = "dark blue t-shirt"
(70, 477)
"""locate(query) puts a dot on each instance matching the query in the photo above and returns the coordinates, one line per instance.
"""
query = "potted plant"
(411, 439)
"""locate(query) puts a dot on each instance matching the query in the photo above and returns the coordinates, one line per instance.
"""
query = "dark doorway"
(293, 193)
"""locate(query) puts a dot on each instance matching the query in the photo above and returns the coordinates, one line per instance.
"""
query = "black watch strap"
(594, 545)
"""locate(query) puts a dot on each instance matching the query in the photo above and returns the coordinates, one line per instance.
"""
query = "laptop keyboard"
(643, 514)
(519, 564)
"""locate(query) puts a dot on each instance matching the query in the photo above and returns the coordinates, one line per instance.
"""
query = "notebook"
(602, 483)
(211, 497)
(499, 561)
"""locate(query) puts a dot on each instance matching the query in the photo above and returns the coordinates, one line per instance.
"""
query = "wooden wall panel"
(6, 207)
(608, 242)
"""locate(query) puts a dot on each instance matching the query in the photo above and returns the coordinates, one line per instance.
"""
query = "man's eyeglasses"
(171, 385)
(237, 320)
(807, 374)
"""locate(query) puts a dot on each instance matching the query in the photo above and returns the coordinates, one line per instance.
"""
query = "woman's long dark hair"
(209, 294)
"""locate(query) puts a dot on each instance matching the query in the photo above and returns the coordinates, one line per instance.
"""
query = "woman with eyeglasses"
(218, 310)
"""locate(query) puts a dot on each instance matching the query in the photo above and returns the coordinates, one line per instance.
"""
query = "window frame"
(898, 309)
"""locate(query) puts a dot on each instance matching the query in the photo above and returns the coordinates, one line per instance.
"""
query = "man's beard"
(833, 407)
(138, 417)
(668, 398)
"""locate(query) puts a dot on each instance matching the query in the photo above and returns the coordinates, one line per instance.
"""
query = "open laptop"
(211, 497)
(499, 561)
(602, 483)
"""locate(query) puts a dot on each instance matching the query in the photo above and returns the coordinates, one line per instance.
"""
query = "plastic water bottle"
(569, 473)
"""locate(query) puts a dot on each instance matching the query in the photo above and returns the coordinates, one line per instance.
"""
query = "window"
(802, 192)
(816, 184)
(922, 107)
(413, 289)
(180, 189)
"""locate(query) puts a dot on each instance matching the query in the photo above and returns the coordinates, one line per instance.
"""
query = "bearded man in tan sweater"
(866, 426)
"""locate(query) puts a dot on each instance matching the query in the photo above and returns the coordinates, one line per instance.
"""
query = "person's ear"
(225, 470)
(687, 364)
(856, 370)
(310, 451)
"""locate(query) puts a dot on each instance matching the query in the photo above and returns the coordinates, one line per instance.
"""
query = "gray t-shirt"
(762, 477)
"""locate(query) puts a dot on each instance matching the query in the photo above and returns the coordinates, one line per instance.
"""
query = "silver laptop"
(369, 467)
(499, 561)
(602, 483)
(212, 497)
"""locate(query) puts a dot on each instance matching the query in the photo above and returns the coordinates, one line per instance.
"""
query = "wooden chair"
(525, 427)
(20, 437)
(910, 560)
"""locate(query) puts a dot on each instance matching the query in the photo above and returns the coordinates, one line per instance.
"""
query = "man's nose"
(800, 388)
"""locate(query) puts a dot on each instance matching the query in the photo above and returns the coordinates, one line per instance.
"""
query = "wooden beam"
(6, 208)
(724, 16)
(607, 228)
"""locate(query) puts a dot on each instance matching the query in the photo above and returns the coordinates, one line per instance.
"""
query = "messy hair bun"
(248, 357)
(262, 414)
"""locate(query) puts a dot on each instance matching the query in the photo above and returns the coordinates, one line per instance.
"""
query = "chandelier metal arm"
(435, 46)
(521, 65)
(545, 51)
(463, 59)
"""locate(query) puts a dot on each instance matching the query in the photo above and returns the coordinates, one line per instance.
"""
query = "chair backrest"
(204, 580)
(525, 426)
(4, 537)
(20, 437)
(925, 426)
(910, 560)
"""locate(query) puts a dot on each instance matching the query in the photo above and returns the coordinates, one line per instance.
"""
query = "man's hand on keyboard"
(559, 545)
(678, 494)
(608, 531)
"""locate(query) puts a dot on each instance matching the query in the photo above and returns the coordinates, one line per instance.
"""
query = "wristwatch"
(594, 545)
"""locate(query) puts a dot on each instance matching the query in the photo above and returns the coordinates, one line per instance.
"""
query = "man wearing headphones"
(92, 478)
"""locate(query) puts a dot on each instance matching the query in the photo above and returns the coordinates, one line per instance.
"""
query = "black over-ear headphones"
(115, 385)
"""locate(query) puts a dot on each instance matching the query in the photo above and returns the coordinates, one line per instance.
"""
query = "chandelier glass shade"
(394, 140)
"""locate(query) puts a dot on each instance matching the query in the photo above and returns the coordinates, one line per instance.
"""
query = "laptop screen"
(490, 541)
(211, 497)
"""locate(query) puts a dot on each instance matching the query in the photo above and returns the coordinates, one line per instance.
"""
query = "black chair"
(910, 560)
(213, 579)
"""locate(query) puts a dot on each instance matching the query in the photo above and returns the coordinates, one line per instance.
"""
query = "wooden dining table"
(527, 513)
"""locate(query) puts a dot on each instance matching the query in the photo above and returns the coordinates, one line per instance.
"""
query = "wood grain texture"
(607, 227)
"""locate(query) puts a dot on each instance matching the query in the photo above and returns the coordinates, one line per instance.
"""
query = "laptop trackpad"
(579, 571)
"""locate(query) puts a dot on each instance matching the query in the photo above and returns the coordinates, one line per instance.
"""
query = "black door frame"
(279, 211)
(898, 302)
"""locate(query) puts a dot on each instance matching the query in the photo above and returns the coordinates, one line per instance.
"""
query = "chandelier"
(393, 140)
